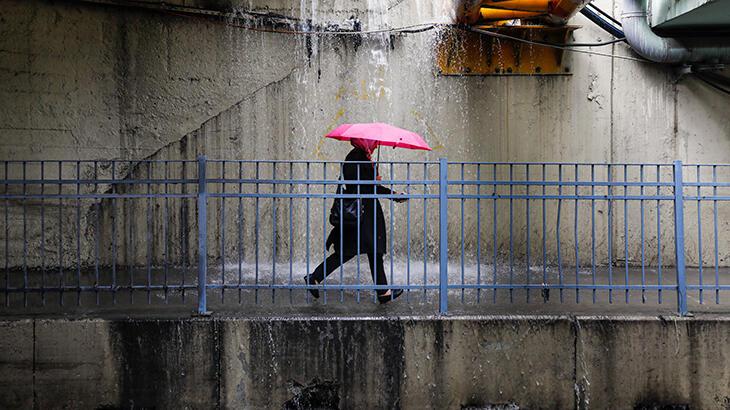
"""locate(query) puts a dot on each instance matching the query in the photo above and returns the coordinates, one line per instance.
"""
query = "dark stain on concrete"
(328, 350)
(161, 365)
(315, 395)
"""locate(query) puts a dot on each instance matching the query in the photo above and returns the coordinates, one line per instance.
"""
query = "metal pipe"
(664, 50)
(602, 22)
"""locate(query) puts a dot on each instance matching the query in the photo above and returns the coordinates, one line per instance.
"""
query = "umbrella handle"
(377, 165)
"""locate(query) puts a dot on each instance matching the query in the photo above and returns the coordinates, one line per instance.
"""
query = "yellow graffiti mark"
(331, 125)
(364, 91)
(436, 144)
(340, 93)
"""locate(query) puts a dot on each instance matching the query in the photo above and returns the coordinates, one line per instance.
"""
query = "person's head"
(367, 146)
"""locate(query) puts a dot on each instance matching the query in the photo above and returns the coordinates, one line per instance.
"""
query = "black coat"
(372, 219)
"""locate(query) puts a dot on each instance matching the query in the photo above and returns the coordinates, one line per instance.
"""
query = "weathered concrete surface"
(174, 363)
(95, 81)
(622, 363)
(74, 364)
(408, 362)
(457, 363)
(17, 364)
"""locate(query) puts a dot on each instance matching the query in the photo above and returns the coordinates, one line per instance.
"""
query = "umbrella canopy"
(384, 134)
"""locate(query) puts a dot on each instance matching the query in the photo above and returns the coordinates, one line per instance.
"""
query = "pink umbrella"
(385, 134)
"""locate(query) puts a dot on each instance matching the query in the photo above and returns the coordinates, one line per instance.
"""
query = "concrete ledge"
(409, 362)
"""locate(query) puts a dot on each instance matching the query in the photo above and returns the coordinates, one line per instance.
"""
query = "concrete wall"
(451, 363)
(82, 80)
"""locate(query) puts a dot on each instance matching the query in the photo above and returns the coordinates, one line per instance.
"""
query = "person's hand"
(399, 200)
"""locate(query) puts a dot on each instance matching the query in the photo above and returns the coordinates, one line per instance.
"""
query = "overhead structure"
(489, 46)
(692, 31)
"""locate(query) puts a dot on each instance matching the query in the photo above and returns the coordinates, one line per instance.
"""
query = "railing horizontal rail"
(561, 286)
(568, 197)
(322, 196)
(95, 196)
(321, 181)
(106, 181)
(558, 183)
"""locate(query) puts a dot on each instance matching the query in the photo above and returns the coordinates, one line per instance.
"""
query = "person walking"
(358, 165)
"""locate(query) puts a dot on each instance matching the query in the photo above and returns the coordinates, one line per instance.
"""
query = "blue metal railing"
(511, 231)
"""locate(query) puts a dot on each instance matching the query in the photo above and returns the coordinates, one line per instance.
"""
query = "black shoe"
(310, 281)
(394, 293)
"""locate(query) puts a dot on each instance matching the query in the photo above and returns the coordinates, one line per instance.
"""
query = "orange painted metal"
(552, 12)
(489, 15)
(542, 6)
(461, 52)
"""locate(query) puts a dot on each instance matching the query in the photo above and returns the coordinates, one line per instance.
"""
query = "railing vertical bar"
(373, 252)
(114, 233)
(61, 278)
(699, 235)
(256, 233)
(679, 238)
(557, 231)
(462, 235)
(97, 228)
(659, 233)
(25, 239)
(130, 249)
(494, 234)
(545, 290)
(359, 212)
(527, 231)
(149, 234)
(511, 236)
(443, 236)
(342, 228)
(593, 232)
(202, 235)
(641, 217)
(43, 236)
(575, 237)
(408, 232)
(479, 233)
(391, 227)
(717, 248)
(7, 239)
(626, 234)
(166, 231)
(223, 233)
(610, 234)
(240, 234)
(184, 239)
(274, 221)
(324, 231)
(306, 240)
(425, 240)
(78, 234)
(291, 232)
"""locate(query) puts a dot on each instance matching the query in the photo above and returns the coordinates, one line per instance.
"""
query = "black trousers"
(333, 262)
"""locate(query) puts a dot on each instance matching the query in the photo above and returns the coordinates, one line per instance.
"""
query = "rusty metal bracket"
(460, 52)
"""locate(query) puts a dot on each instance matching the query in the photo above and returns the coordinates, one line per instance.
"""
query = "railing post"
(443, 237)
(202, 236)
(679, 239)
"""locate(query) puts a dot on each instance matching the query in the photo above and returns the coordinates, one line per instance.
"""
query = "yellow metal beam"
(555, 12)
(499, 14)
(542, 6)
